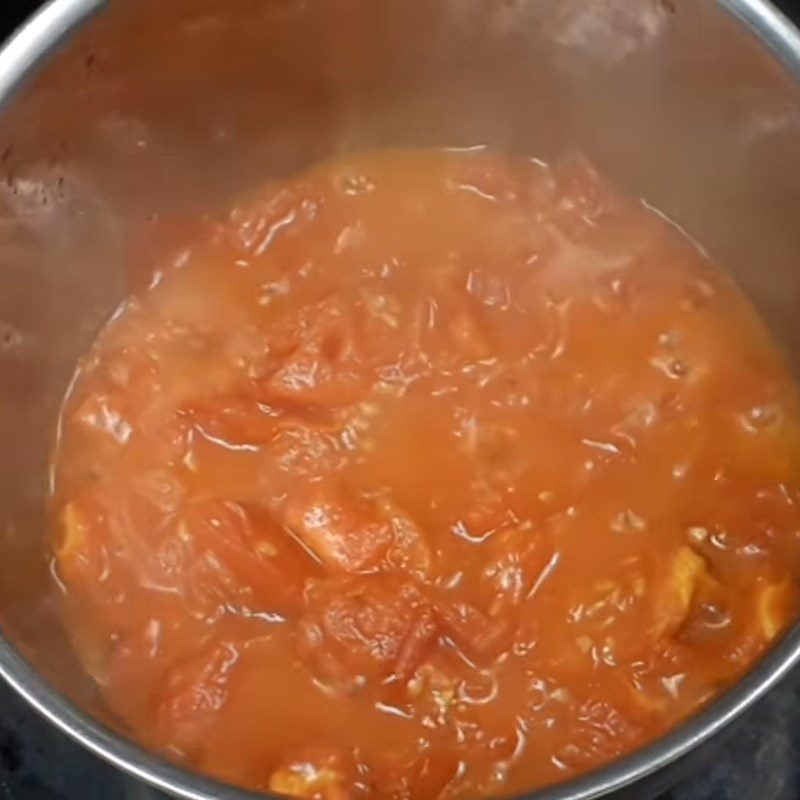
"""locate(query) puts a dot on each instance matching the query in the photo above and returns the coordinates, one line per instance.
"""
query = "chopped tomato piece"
(100, 413)
(323, 365)
(235, 420)
(304, 451)
(352, 534)
(598, 730)
(242, 557)
(409, 550)
(478, 636)
(194, 692)
(340, 529)
(166, 429)
(364, 627)
(417, 640)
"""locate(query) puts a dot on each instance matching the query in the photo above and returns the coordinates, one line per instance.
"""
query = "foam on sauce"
(426, 474)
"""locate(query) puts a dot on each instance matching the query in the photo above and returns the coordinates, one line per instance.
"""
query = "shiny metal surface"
(771, 26)
(56, 296)
(36, 38)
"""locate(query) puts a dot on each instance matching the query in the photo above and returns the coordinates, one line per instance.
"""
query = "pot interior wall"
(161, 110)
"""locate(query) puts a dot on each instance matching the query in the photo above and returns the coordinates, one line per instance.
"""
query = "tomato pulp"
(426, 474)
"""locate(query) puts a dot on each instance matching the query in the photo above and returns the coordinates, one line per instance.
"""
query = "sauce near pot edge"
(426, 474)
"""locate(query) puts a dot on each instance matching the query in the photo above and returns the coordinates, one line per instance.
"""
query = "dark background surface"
(761, 761)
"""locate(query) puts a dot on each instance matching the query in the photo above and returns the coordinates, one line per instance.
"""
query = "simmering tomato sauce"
(423, 475)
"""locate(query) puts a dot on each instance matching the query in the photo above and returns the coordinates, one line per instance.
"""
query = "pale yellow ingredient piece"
(73, 533)
(306, 780)
(673, 599)
(771, 605)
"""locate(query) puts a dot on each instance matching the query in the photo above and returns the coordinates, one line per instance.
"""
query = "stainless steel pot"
(153, 108)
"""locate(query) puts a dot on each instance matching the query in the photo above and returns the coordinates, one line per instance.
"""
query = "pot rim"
(28, 47)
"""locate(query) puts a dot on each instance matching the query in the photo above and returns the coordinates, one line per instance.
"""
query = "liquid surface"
(426, 474)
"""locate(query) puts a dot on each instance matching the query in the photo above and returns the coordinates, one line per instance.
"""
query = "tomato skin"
(267, 571)
(356, 630)
(338, 529)
(351, 534)
(599, 729)
(237, 419)
(417, 641)
(323, 363)
(193, 693)
(479, 637)
(306, 452)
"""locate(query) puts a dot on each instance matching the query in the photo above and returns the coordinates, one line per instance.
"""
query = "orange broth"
(423, 475)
